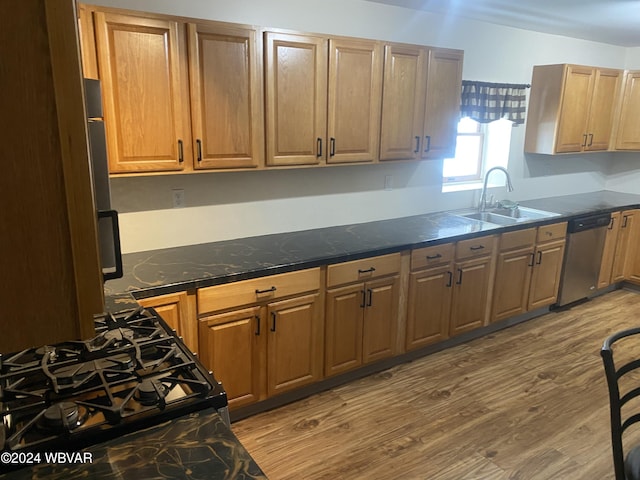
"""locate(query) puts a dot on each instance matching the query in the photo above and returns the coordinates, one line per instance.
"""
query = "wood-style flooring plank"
(525, 403)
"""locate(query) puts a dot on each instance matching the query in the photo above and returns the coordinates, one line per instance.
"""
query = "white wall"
(238, 204)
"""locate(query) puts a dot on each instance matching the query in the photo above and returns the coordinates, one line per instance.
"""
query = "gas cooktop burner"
(135, 372)
(63, 416)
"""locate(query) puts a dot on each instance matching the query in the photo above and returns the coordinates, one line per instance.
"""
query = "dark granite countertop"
(198, 446)
(176, 269)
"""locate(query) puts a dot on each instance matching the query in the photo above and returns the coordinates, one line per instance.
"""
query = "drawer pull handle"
(199, 145)
(180, 152)
(268, 290)
(624, 221)
(459, 282)
(417, 145)
(478, 247)
(533, 258)
(332, 145)
(362, 302)
(539, 258)
(273, 325)
(257, 325)
(370, 292)
(428, 143)
(368, 270)
(450, 281)
(433, 257)
(319, 147)
(611, 223)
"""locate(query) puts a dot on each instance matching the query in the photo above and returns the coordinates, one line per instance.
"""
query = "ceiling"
(616, 22)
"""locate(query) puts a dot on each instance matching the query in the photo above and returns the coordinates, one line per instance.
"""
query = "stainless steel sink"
(509, 216)
(492, 218)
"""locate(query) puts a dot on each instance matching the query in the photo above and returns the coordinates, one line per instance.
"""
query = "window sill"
(460, 187)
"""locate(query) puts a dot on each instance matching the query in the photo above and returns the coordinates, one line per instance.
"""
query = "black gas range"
(135, 373)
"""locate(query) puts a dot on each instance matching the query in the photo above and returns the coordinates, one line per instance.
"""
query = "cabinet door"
(628, 137)
(179, 311)
(296, 99)
(226, 103)
(343, 348)
(294, 346)
(403, 100)
(545, 279)
(608, 253)
(355, 86)
(574, 109)
(442, 111)
(429, 306)
(142, 66)
(513, 278)
(624, 248)
(470, 295)
(380, 318)
(604, 99)
(232, 345)
(632, 256)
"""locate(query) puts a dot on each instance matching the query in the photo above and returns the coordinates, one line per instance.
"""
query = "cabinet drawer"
(554, 231)
(262, 289)
(364, 269)
(519, 238)
(475, 247)
(428, 256)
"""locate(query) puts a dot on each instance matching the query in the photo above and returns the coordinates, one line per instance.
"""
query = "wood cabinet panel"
(429, 306)
(179, 311)
(233, 345)
(245, 292)
(545, 279)
(574, 110)
(294, 351)
(555, 231)
(628, 136)
(380, 319)
(519, 238)
(296, 98)
(343, 328)
(361, 270)
(142, 60)
(355, 95)
(625, 248)
(470, 295)
(403, 99)
(226, 96)
(429, 256)
(442, 110)
(513, 278)
(606, 91)
(608, 252)
(475, 247)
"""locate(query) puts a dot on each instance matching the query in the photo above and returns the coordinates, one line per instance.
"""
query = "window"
(479, 147)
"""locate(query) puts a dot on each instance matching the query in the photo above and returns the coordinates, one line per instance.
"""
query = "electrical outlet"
(388, 179)
(178, 197)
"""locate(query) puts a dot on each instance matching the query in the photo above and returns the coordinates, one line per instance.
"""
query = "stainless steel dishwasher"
(583, 256)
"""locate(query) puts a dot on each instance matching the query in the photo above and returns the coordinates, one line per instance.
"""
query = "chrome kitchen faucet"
(482, 205)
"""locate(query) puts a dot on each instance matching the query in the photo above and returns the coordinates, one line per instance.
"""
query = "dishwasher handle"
(589, 222)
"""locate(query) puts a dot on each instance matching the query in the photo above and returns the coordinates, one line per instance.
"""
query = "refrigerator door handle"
(113, 216)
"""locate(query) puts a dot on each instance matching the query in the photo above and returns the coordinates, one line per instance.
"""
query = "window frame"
(480, 133)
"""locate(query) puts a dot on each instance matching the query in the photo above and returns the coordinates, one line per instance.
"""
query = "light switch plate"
(178, 198)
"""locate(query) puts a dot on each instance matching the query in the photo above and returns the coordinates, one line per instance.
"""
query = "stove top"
(136, 372)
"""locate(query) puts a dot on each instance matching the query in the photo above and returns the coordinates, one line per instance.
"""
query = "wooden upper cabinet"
(571, 108)
(296, 99)
(628, 137)
(143, 73)
(403, 100)
(354, 96)
(225, 70)
(442, 109)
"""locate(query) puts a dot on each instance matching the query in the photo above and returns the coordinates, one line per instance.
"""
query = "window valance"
(485, 102)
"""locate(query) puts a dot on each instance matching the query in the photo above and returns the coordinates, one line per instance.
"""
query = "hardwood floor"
(529, 402)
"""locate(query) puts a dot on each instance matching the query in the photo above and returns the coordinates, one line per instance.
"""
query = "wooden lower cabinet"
(361, 317)
(429, 306)
(270, 342)
(609, 250)
(545, 277)
(179, 311)
(233, 346)
(471, 288)
(294, 344)
(528, 270)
